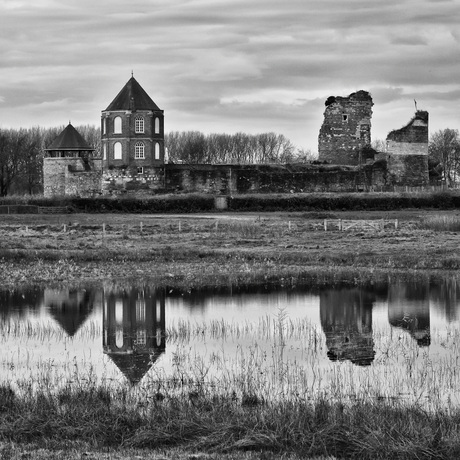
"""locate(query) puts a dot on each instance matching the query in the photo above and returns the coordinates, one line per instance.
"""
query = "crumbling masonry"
(407, 152)
(346, 129)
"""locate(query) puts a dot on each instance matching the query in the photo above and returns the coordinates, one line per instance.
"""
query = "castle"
(133, 155)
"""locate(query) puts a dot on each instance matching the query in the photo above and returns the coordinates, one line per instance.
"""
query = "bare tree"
(444, 148)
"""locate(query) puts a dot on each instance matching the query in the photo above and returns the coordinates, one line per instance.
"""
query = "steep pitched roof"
(132, 97)
(69, 139)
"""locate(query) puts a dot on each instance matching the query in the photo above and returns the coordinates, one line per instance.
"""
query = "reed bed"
(441, 223)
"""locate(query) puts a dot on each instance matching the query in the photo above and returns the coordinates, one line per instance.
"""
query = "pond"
(390, 340)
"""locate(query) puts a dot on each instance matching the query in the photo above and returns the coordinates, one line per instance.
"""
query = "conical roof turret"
(132, 97)
(69, 139)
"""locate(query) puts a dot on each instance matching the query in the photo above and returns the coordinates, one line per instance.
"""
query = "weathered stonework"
(69, 167)
(407, 152)
(346, 129)
(68, 177)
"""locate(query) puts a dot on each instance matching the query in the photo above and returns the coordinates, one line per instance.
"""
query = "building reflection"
(445, 297)
(69, 307)
(134, 329)
(409, 309)
(346, 319)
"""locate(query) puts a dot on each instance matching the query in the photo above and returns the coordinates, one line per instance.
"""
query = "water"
(391, 340)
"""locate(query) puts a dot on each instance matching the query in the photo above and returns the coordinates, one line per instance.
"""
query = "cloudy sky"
(230, 65)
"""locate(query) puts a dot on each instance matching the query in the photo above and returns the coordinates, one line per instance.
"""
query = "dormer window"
(139, 125)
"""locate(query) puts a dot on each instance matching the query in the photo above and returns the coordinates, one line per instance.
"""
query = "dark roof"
(69, 139)
(133, 97)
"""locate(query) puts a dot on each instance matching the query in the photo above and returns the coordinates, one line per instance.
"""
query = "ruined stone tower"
(69, 167)
(132, 128)
(346, 129)
(407, 152)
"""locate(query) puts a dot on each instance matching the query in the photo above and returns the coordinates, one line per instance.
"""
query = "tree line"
(21, 152)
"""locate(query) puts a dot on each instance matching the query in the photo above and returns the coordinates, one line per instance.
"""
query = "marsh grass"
(253, 397)
(441, 223)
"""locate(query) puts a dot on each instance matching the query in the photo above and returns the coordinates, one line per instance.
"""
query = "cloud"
(229, 64)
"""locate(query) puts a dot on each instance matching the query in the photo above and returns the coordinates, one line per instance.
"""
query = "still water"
(390, 340)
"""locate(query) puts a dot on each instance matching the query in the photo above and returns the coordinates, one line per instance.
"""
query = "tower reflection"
(409, 309)
(346, 319)
(134, 329)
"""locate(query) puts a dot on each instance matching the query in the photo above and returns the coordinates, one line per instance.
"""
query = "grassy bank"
(213, 423)
(212, 250)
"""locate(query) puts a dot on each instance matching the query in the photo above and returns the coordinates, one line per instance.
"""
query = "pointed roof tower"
(69, 139)
(132, 97)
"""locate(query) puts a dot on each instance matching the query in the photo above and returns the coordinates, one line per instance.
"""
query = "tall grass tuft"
(441, 223)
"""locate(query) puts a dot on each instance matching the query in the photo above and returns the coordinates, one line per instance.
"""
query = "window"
(139, 125)
(117, 125)
(104, 152)
(140, 170)
(117, 151)
(345, 117)
(139, 150)
(157, 151)
(157, 125)
(104, 125)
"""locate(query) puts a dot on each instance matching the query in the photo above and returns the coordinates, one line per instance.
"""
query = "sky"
(227, 66)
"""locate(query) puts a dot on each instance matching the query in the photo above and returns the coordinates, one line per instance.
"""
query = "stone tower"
(346, 129)
(132, 131)
(69, 167)
(407, 152)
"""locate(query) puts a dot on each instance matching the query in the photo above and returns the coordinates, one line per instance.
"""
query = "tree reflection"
(346, 319)
(134, 329)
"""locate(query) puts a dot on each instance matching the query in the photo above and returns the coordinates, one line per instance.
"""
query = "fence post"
(396, 224)
(340, 225)
(325, 225)
(103, 229)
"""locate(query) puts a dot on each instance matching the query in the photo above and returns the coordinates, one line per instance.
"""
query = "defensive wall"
(234, 179)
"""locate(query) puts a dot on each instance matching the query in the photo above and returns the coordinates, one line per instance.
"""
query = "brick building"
(69, 166)
(346, 129)
(132, 132)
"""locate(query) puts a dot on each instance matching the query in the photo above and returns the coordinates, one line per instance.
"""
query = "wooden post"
(325, 225)
(141, 227)
(179, 227)
(396, 224)
(289, 225)
(64, 227)
(217, 223)
(103, 230)
(340, 225)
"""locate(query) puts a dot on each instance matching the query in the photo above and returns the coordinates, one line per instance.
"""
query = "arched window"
(104, 125)
(157, 151)
(104, 152)
(117, 151)
(139, 150)
(139, 125)
(117, 125)
(157, 125)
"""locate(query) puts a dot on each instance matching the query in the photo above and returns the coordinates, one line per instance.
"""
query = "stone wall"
(233, 179)
(70, 176)
(346, 129)
(407, 151)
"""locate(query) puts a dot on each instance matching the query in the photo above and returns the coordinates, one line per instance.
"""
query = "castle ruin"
(407, 152)
(346, 129)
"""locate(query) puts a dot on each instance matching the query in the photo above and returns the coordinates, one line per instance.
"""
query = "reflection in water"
(409, 308)
(346, 319)
(134, 329)
(69, 307)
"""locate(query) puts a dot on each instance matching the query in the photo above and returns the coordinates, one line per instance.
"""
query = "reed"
(441, 223)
